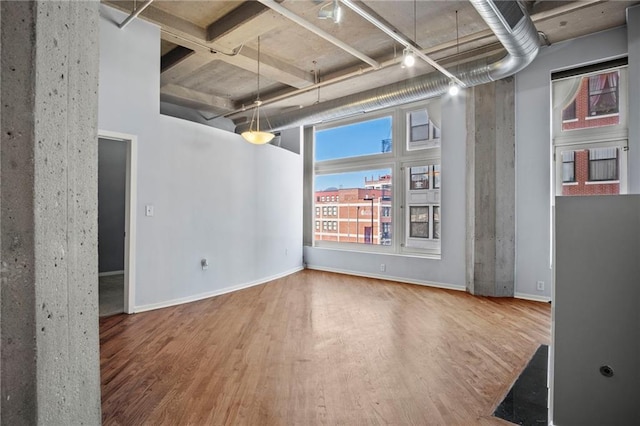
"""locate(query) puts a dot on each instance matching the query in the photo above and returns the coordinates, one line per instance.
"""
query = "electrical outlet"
(540, 285)
(383, 267)
(148, 210)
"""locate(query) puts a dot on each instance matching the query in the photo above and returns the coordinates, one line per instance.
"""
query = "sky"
(349, 141)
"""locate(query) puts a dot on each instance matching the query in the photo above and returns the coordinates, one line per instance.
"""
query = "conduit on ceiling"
(512, 26)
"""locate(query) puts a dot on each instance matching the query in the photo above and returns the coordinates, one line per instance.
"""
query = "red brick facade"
(582, 186)
(355, 215)
(582, 118)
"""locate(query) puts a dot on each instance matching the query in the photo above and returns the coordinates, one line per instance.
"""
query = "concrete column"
(491, 189)
(48, 213)
(633, 43)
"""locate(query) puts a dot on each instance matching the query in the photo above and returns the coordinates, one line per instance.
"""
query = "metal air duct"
(515, 31)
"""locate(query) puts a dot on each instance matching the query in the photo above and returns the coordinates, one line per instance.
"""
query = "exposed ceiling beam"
(192, 37)
(161, 18)
(319, 32)
(244, 23)
(184, 68)
(186, 97)
(174, 56)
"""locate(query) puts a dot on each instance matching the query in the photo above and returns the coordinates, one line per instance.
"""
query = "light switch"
(148, 211)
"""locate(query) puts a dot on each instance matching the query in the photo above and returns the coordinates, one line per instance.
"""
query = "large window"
(590, 129)
(384, 196)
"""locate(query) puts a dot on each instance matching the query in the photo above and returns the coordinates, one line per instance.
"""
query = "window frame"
(395, 160)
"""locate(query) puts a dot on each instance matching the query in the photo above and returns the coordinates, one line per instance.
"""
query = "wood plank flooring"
(319, 348)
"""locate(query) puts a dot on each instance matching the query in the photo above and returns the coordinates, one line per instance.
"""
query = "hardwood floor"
(319, 348)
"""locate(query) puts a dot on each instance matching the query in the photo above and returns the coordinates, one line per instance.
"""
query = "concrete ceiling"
(209, 48)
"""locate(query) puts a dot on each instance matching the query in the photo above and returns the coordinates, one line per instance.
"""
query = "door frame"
(131, 197)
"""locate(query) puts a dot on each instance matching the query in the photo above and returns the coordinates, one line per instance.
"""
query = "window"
(419, 178)
(603, 164)
(317, 225)
(418, 125)
(317, 211)
(324, 225)
(365, 138)
(603, 94)
(421, 131)
(436, 176)
(357, 161)
(324, 211)
(569, 113)
(568, 166)
(589, 129)
(419, 222)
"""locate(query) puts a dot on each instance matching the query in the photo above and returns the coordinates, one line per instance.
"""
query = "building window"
(386, 212)
(603, 94)
(569, 113)
(335, 210)
(436, 176)
(603, 164)
(317, 225)
(324, 211)
(418, 125)
(335, 226)
(436, 222)
(419, 178)
(421, 131)
(317, 211)
(419, 222)
(568, 166)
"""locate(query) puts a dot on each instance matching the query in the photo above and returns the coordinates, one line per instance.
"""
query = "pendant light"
(256, 136)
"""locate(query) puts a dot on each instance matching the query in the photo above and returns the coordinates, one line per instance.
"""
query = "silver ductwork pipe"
(509, 22)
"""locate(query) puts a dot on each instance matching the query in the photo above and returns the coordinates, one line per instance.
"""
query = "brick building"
(355, 215)
(592, 171)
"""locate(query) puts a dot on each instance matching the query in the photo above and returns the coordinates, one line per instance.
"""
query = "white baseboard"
(389, 278)
(194, 298)
(108, 273)
(532, 297)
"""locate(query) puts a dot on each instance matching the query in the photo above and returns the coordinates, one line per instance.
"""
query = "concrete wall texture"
(49, 334)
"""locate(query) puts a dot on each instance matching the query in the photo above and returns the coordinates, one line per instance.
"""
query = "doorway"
(116, 227)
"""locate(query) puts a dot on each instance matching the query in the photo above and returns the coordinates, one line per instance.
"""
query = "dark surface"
(526, 402)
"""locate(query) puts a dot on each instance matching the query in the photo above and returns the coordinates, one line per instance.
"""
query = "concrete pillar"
(49, 349)
(633, 43)
(491, 189)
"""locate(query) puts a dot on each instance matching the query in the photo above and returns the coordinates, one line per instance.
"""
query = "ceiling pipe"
(134, 14)
(520, 40)
(271, 4)
(397, 37)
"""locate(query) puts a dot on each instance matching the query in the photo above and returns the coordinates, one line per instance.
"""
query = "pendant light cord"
(258, 97)
(415, 36)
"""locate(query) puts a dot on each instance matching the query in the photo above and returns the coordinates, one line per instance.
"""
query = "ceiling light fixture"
(256, 136)
(454, 89)
(334, 13)
(408, 58)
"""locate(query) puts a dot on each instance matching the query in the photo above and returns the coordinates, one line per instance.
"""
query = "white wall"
(446, 272)
(215, 196)
(533, 151)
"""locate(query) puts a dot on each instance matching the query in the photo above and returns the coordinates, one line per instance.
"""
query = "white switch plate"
(540, 285)
(383, 267)
(148, 210)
